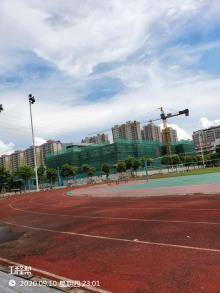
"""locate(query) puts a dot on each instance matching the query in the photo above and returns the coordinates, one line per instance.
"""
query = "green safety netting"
(96, 155)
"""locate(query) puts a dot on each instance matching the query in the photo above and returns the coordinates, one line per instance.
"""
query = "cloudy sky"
(95, 63)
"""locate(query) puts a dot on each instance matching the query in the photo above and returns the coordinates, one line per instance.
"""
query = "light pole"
(32, 101)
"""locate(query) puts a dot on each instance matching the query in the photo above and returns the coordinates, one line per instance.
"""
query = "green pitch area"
(211, 178)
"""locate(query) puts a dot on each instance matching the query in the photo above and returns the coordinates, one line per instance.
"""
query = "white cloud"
(6, 148)
(76, 36)
(181, 133)
(53, 120)
(39, 140)
(206, 123)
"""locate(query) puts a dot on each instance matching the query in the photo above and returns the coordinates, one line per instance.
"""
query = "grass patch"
(187, 173)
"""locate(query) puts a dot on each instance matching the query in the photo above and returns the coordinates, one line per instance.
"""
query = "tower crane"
(166, 132)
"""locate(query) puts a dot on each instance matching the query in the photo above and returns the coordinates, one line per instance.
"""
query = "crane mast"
(166, 131)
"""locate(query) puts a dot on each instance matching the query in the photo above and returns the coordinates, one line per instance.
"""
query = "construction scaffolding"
(96, 155)
(184, 147)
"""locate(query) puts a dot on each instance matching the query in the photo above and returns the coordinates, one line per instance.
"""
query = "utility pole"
(31, 102)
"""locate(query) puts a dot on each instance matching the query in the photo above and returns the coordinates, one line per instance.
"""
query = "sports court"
(157, 236)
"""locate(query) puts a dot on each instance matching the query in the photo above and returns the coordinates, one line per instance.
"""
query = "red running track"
(162, 244)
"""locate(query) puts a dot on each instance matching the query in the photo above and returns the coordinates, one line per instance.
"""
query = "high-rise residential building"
(131, 130)
(142, 135)
(152, 132)
(216, 146)
(26, 157)
(16, 160)
(171, 134)
(5, 162)
(29, 156)
(98, 139)
(49, 147)
(204, 139)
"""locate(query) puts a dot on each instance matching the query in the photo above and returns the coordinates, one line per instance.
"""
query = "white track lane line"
(115, 239)
(121, 201)
(94, 289)
(117, 207)
(135, 208)
(113, 218)
(143, 208)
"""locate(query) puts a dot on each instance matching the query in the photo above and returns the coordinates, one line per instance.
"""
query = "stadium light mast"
(31, 102)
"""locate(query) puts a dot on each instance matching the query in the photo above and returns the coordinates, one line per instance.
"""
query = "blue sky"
(92, 64)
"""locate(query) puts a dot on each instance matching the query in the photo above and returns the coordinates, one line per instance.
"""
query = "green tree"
(106, 169)
(135, 165)
(41, 171)
(215, 158)
(51, 175)
(86, 169)
(5, 179)
(129, 163)
(121, 166)
(166, 160)
(199, 160)
(188, 161)
(176, 160)
(182, 159)
(91, 171)
(218, 150)
(25, 173)
(68, 171)
(148, 159)
(207, 159)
